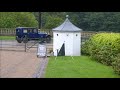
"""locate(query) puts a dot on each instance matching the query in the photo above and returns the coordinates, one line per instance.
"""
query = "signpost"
(42, 50)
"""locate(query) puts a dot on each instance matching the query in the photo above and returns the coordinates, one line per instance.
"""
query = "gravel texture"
(18, 64)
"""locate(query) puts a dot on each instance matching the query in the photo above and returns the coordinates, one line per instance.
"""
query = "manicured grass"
(80, 67)
(7, 37)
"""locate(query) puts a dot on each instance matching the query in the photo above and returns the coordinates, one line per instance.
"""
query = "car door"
(35, 33)
(30, 33)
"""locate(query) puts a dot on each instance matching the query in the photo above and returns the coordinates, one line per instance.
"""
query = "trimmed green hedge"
(104, 48)
(116, 64)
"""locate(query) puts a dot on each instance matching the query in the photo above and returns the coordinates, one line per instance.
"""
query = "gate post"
(25, 47)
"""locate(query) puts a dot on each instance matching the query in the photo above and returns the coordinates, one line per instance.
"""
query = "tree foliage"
(88, 21)
(16, 19)
(50, 20)
(53, 22)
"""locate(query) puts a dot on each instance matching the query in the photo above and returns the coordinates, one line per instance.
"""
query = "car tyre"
(25, 39)
(19, 40)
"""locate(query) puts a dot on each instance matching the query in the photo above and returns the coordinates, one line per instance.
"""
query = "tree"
(16, 19)
(46, 18)
(52, 22)
(88, 21)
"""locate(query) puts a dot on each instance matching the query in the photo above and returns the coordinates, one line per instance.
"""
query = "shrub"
(103, 47)
(116, 64)
(85, 47)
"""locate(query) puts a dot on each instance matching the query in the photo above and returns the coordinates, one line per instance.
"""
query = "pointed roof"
(67, 26)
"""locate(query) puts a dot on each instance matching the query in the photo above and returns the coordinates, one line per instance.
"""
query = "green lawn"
(7, 37)
(80, 67)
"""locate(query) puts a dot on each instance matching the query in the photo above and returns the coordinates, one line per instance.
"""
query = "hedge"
(105, 48)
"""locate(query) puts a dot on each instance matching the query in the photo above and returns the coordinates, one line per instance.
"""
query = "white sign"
(41, 50)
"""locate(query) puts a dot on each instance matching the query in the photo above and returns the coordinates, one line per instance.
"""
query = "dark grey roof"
(67, 26)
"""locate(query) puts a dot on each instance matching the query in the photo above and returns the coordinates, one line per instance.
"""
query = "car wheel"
(18, 40)
(25, 39)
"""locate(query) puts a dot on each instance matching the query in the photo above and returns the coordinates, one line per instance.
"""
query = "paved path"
(14, 43)
(41, 70)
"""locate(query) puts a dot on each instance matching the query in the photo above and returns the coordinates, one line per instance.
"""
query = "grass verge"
(7, 37)
(80, 67)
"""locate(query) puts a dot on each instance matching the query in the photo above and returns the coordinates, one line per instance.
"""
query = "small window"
(29, 30)
(76, 35)
(57, 34)
(18, 30)
(24, 31)
(67, 34)
(35, 30)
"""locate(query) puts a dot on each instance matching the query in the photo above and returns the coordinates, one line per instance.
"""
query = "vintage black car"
(26, 34)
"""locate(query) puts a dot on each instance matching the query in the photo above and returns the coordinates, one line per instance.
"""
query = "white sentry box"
(42, 51)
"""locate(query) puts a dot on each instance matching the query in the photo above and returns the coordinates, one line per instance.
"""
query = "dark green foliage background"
(88, 21)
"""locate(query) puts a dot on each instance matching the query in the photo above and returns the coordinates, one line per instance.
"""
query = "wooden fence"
(7, 31)
(11, 32)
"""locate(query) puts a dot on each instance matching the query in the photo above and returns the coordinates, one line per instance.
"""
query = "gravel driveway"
(19, 64)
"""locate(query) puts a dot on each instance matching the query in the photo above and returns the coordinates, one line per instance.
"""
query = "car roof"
(27, 27)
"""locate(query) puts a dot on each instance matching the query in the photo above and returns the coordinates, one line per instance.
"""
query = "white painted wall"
(68, 43)
(72, 43)
(57, 41)
(77, 44)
